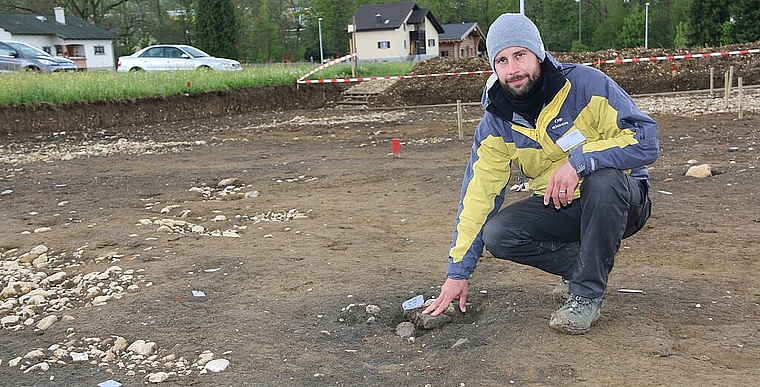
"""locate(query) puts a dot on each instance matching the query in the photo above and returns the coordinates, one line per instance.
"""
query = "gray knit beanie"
(513, 29)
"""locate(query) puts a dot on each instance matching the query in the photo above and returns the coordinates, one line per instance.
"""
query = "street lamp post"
(646, 26)
(321, 53)
(579, 20)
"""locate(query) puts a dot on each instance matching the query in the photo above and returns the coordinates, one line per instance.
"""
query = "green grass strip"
(60, 88)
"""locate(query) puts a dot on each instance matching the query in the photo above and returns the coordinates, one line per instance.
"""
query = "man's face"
(518, 70)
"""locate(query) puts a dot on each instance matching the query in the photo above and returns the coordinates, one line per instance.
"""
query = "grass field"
(26, 88)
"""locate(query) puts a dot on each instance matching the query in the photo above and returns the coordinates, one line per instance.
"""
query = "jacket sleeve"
(619, 135)
(483, 186)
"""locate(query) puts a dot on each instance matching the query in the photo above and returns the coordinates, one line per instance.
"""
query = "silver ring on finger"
(562, 191)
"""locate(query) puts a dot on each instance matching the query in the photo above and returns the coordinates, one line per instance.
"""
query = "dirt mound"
(635, 77)
(31, 120)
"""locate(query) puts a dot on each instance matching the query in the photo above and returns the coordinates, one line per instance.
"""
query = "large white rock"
(217, 365)
(142, 347)
(699, 171)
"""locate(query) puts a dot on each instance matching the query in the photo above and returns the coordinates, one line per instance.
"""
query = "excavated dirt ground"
(319, 220)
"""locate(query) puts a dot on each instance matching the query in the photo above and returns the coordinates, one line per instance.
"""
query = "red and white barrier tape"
(674, 57)
(326, 65)
(610, 61)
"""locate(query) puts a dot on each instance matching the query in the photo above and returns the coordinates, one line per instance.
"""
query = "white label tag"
(570, 140)
(413, 303)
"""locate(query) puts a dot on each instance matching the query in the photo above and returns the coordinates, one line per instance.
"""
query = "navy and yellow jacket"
(588, 120)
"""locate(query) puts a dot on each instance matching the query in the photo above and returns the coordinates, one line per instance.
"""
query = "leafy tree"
(336, 16)
(632, 33)
(216, 28)
(611, 14)
(554, 25)
(94, 11)
(746, 13)
(705, 21)
(680, 40)
(727, 35)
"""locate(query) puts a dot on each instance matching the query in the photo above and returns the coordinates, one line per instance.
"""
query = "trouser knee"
(606, 184)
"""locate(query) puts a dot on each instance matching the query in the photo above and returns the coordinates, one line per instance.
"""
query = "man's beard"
(527, 88)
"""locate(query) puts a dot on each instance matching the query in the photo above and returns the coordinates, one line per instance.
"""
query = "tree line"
(267, 31)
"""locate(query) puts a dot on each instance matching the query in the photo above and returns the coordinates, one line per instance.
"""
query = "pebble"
(405, 329)
(46, 322)
(461, 343)
(158, 377)
(44, 366)
(217, 365)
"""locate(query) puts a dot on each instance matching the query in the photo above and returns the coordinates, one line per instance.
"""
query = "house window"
(431, 42)
(46, 49)
(100, 50)
(384, 44)
(445, 54)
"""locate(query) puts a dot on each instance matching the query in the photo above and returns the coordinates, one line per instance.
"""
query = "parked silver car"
(164, 57)
(18, 56)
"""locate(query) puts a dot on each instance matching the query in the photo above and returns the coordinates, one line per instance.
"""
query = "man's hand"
(561, 187)
(450, 290)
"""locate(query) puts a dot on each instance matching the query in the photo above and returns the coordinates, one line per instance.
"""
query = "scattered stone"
(46, 322)
(10, 320)
(449, 309)
(699, 171)
(461, 343)
(119, 345)
(232, 181)
(217, 365)
(141, 347)
(405, 329)
(38, 367)
(205, 357)
(372, 309)
(34, 354)
(428, 321)
(158, 377)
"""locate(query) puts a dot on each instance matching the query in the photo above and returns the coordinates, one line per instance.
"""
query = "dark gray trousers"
(577, 242)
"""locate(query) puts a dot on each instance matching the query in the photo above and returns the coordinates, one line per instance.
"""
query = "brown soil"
(376, 232)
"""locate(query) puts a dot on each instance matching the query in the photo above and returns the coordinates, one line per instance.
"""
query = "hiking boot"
(561, 292)
(577, 315)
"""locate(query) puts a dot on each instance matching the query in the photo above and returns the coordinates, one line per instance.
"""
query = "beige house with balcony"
(90, 46)
(394, 33)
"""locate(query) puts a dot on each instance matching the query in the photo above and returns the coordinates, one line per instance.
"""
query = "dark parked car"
(17, 56)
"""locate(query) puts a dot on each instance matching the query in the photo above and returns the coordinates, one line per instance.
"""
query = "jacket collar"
(494, 99)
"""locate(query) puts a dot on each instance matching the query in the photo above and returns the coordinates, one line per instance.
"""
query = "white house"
(90, 46)
(394, 33)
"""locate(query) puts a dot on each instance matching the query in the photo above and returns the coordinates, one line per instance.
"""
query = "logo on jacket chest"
(558, 123)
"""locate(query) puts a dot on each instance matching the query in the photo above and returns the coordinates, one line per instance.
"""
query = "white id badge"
(570, 140)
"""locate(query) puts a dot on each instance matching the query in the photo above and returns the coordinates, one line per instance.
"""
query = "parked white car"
(164, 57)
